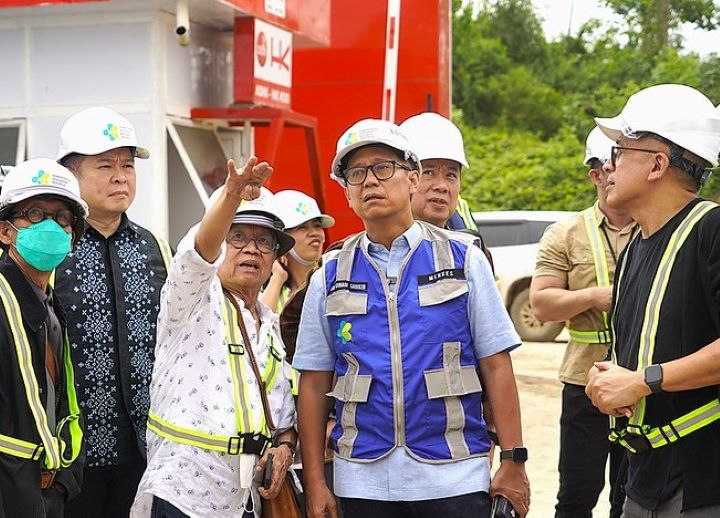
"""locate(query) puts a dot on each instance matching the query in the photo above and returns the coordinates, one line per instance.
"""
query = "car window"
(512, 232)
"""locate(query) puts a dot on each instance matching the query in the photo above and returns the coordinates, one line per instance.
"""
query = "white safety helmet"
(597, 145)
(38, 177)
(434, 136)
(263, 212)
(367, 132)
(678, 113)
(296, 208)
(96, 130)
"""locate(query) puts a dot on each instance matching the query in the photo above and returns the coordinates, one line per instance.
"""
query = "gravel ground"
(536, 366)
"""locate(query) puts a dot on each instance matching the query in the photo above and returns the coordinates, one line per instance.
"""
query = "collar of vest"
(33, 311)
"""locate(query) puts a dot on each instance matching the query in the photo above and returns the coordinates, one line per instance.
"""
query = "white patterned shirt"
(192, 387)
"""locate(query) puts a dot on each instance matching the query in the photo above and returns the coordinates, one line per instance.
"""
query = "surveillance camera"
(182, 23)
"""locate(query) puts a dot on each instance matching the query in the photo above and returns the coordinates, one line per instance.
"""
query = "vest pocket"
(350, 390)
(441, 291)
(346, 303)
(449, 384)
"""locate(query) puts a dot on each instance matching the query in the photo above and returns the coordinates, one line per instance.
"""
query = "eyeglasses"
(615, 152)
(34, 214)
(382, 170)
(266, 243)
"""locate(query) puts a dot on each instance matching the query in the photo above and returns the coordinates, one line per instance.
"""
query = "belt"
(47, 479)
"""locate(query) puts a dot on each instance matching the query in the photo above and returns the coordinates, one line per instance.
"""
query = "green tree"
(653, 21)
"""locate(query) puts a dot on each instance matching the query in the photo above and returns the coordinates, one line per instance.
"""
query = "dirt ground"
(536, 366)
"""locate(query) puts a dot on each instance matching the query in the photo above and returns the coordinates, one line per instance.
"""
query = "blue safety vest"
(406, 368)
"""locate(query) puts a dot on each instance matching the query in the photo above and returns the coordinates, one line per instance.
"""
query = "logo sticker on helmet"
(42, 178)
(343, 332)
(111, 132)
(302, 207)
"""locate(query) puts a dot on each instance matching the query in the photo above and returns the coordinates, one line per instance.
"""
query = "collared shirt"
(110, 289)
(192, 387)
(398, 476)
(565, 254)
(54, 339)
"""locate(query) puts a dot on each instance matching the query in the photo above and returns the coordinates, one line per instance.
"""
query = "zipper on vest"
(395, 344)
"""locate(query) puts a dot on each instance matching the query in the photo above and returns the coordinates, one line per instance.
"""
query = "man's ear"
(660, 167)
(594, 175)
(347, 195)
(414, 178)
(7, 233)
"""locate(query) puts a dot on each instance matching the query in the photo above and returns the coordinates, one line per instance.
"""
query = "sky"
(558, 15)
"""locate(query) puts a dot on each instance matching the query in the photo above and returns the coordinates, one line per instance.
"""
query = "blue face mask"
(43, 245)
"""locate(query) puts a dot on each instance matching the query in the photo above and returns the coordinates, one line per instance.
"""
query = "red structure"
(342, 83)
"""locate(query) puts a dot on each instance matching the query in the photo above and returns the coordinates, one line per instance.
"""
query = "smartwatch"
(517, 454)
(654, 378)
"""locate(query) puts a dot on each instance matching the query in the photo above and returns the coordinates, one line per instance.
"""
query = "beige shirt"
(565, 253)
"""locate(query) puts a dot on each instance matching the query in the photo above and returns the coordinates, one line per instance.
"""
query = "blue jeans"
(473, 505)
(164, 509)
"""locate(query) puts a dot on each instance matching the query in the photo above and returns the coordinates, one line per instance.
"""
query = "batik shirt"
(110, 289)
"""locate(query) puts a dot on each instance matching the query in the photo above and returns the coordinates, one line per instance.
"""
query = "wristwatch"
(517, 454)
(654, 378)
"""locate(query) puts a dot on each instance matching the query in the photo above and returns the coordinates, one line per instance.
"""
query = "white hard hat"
(296, 208)
(367, 132)
(434, 136)
(38, 177)
(263, 212)
(597, 145)
(678, 113)
(96, 130)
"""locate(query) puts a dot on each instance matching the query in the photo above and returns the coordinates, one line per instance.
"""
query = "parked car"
(513, 238)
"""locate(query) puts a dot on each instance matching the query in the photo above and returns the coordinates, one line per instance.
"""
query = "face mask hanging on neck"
(43, 245)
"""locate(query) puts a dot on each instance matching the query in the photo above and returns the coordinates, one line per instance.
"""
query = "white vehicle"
(512, 237)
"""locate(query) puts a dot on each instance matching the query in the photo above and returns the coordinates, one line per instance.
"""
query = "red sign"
(263, 63)
(35, 3)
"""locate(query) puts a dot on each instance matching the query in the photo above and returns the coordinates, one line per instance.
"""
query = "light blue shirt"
(398, 476)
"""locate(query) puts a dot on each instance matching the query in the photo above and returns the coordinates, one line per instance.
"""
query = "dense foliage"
(525, 104)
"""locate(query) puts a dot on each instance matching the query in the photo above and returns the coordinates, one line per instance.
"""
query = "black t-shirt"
(689, 320)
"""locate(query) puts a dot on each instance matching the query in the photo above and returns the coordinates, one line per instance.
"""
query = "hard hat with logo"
(367, 132)
(43, 177)
(597, 145)
(296, 208)
(96, 130)
(434, 136)
(263, 212)
(678, 113)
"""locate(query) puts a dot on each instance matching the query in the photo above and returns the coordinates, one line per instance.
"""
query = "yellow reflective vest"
(52, 449)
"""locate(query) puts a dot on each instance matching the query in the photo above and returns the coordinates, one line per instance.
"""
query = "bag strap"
(253, 361)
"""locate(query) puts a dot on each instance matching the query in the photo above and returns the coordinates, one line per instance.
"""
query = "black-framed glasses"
(616, 152)
(266, 243)
(382, 170)
(34, 214)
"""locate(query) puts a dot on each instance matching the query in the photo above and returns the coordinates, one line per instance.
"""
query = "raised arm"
(239, 185)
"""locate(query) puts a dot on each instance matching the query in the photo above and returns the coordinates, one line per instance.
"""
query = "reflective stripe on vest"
(53, 447)
(283, 298)
(251, 425)
(165, 250)
(691, 421)
(463, 210)
(294, 381)
(602, 275)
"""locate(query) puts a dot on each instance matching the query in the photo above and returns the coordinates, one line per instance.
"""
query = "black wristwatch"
(654, 378)
(517, 454)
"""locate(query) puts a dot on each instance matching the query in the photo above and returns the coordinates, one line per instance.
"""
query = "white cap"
(38, 177)
(678, 113)
(96, 130)
(367, 132)
(263, 212)
(296, 208)
(434, 136)
(597, 146)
